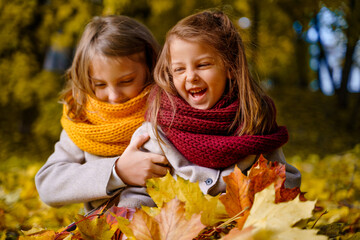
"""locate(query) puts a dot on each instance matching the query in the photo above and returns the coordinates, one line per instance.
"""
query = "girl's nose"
(115, 96)
(191, 76)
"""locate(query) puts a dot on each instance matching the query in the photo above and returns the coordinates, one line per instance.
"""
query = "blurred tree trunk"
(352, 34)
(343, 92)
(322, 58)
(299, 11)
(301, 50)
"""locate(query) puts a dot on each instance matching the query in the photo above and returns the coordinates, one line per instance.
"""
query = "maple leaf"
(38, 233)
(278, 218)
(191, 195)
(95, 228)
(164, 189)
(161, 189)
(248, 234)
(123, 226)
(144, 226)
(173, 225)
(236, 198)
(112, 213)
(211, 209)
(241, 189)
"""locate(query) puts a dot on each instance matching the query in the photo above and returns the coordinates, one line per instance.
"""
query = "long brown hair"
(256, 114)
(109, 36)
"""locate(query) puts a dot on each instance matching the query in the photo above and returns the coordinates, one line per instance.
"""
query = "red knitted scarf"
(203, 137)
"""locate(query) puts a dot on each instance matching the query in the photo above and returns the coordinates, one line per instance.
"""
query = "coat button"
(209, 181)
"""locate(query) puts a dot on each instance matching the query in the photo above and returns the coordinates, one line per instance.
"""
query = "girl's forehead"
(198, 42)
(136, 57)
(204, 42)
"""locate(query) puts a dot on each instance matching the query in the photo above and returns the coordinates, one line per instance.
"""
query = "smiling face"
(117, 79)
(198, 73)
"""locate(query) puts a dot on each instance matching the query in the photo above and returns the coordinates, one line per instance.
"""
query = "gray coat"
(71, 175)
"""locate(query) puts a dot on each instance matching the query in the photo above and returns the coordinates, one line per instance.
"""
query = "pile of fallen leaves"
(256, 206)
(334, 181)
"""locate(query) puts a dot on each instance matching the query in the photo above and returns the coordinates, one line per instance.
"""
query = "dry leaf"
(95, 228)
(38, 233)
(241, 189)
(173, 225)
(236, 198)
(161, 189)
(164, 189)
(279, 218)
(248, 234)
(144, 227)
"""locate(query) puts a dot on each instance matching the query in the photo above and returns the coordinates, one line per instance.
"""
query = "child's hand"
(134, 167)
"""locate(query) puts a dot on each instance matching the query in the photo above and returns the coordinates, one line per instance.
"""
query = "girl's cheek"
(99, 94)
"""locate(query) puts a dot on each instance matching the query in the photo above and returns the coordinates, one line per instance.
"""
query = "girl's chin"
(200, 106)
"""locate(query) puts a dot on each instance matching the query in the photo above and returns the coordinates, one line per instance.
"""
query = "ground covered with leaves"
(255, 206)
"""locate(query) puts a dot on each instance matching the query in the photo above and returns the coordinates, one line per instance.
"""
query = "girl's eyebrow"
(121, 77)
(202, 57)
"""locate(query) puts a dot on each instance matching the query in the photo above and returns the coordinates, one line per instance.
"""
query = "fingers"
(140, 140)
(159, 171)
(156, 171)
(158, 159)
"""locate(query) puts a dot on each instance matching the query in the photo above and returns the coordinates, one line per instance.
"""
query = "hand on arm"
(134, 166)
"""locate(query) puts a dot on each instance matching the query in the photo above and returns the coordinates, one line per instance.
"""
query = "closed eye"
(204, 65)
(126, 81)
(99, 84)
(178, 70)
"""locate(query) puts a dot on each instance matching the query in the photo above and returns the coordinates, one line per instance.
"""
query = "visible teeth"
(196, 90)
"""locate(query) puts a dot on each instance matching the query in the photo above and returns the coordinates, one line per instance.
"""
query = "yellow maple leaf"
(191, 195)
(164, 189)
(123, 225)
(95, 228)
(279, 218)
(161, 189)
(38, 233)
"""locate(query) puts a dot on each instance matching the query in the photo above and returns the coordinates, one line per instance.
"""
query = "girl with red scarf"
(207, 114)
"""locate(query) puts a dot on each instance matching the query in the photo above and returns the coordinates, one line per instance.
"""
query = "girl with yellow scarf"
(104, 102)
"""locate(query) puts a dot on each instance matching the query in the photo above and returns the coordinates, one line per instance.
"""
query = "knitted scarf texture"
(202, 135)
(108, 127)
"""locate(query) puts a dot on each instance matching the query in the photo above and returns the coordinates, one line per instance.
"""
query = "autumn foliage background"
(37, 41)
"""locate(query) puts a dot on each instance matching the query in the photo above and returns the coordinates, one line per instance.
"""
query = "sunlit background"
(305, 53)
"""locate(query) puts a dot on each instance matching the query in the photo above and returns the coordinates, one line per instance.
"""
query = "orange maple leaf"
(170, 223)
(241, 189)
(144, 226)
(173, 223)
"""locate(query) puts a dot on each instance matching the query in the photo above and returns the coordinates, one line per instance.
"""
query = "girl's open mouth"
(198, 92)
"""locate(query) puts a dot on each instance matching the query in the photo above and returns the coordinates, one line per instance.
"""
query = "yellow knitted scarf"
(108, 127)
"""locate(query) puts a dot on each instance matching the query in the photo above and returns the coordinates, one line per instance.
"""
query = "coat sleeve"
(137, 196)
(293, 176)
(71, 175)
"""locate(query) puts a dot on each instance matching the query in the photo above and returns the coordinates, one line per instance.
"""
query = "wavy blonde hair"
(109, 36)
(256, 114)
